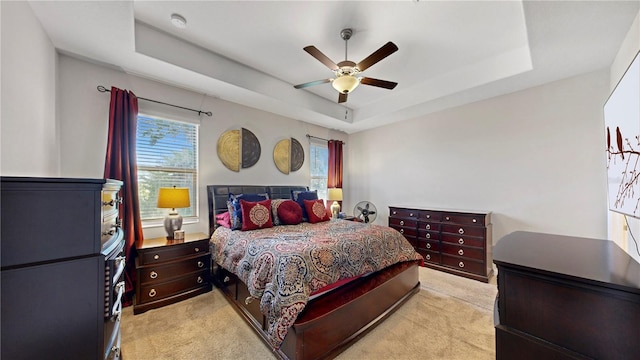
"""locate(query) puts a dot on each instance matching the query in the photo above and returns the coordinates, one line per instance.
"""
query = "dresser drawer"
(430, 256)
(167, 253)
(468, 230)
(428, 235)
(431, 226)
(429, 215)
(463, 240)
(110, 202)
(472, 266)
(164, 272)
(466, 219)
(402, 222)
(152, 292)
(403, 213)
(431, 245)
(463, 251)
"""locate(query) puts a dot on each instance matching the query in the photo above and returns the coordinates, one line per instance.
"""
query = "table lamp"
(172, 198)
(335, 194)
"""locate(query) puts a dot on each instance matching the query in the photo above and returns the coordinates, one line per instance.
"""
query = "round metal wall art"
(238, 148)
(288, 155)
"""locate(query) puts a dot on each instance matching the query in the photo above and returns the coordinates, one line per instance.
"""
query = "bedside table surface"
(162, 241)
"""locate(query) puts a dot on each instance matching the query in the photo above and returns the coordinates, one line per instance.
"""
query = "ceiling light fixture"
(178, 21)
(345, 83)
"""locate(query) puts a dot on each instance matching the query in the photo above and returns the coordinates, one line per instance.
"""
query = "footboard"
(331, 322)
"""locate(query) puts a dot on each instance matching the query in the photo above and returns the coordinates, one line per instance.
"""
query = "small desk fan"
(365, 211)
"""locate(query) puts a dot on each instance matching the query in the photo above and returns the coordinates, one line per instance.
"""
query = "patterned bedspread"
(283, 265)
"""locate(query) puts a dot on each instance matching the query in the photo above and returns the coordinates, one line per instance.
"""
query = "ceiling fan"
(346, 71)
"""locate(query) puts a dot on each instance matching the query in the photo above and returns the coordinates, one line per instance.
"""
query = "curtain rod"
(208, 113)
(319, 138)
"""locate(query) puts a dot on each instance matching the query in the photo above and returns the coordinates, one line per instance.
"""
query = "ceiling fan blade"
(386, 50)
(342, 98)
(312, 83)
(379, 83)
(313, 51)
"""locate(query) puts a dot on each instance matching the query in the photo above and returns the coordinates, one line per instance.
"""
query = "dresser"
(454, 241)
(61, 268)
(171, 270)
(564, 297)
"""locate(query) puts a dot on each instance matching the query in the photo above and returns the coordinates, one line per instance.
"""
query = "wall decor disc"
(250, 149)
(297, 155)
(281, 155)
(229, 149)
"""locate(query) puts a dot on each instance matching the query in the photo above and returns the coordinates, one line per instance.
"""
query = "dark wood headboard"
(217, 196)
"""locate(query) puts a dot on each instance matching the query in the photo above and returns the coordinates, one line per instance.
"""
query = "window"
(319, 162)
(167, 155)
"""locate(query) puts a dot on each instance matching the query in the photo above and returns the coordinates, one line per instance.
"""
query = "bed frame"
(331, 322)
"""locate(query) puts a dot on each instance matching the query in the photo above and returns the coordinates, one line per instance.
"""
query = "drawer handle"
(460, 252)
(196, 249)
(200, 279)
(474, 220)
(200, 264)
(112, 202)
(115, 351)
(401, 231)
(428, 246)
(428, 236)
(461, 264)
(153, 275)
(446, 218)
(461, 241)
(401, 222)
(226, 279)
(110, 232)
(411, 214)
(394, 212)
(428, 257)
(461, 231)
(156, 257)
(248, 300)
(428, 227)
(428, 216)
(152, 293)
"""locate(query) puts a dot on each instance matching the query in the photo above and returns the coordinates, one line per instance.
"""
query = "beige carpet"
(450, 318)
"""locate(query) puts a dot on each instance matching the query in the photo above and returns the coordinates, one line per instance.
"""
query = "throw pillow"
(300, 197)
(233, 204)
(256, 215)
(290, 213)
(316, 210)
(224, 219)
(275, 203)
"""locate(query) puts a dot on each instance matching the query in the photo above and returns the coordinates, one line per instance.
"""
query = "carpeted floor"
(450, 318)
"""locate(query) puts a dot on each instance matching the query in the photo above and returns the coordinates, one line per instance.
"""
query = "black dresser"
(563, 297)
(61, 269)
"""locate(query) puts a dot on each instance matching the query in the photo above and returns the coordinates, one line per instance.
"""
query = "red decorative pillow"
(224, 219)
(316, 210)
(256, 215)
(289, 212)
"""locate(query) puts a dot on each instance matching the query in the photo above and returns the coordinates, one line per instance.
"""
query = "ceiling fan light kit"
(345, 72)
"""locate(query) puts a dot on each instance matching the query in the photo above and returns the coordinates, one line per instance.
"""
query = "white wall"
(84, 114)
(29, 142)
(535, 158)
(618, 231)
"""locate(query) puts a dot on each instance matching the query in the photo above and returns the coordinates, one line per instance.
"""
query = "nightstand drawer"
(152, 292)
(168, 253)
(164, 272)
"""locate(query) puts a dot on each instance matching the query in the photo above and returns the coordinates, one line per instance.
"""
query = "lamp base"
(335, 210)
(172, 222)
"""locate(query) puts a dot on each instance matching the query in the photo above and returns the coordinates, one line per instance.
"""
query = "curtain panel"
(334, 178)
(120, 164)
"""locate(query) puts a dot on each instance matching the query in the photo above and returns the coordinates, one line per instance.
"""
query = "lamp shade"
(173, 198)
(334, 194)
(345, 83)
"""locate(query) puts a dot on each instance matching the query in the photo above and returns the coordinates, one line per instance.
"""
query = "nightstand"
(171, 270)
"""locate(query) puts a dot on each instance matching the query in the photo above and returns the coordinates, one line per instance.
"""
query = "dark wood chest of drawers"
(564, 297)
(171, 270)
(457, 242)
(62, 259)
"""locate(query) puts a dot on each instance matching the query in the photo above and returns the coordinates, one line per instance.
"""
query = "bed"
(315, 319)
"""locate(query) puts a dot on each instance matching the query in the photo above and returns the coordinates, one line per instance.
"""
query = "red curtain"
(120, 164)
(334, 179)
